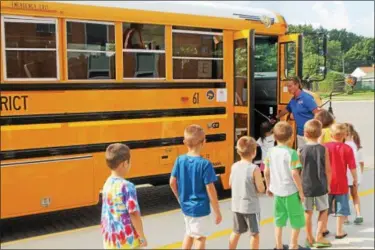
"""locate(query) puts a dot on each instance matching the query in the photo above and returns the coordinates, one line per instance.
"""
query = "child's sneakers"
(308, 244)
(358, 220)
(321, 244)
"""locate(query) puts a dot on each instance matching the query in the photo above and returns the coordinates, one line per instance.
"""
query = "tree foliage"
(346, 52)
(361, 54)
(343, 47)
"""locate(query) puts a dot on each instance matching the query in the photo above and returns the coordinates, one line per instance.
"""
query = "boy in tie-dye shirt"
(121, 219)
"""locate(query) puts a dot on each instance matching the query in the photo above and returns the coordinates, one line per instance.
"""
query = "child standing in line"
(327, 119)
(316, 175)
(354, 189)
(282, 171)
(341, 158)
(266, 140)
(246, 182)
(121, 220)
(192, 182)
(357, 141)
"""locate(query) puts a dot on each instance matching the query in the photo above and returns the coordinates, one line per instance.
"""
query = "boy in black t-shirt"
(316, 174)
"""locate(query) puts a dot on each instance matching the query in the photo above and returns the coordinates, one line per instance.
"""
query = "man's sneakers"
(358, 220)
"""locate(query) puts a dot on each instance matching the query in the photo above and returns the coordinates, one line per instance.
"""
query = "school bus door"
(289, 65)
(244, 52)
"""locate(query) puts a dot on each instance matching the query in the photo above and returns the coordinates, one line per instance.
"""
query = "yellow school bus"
(78, 77)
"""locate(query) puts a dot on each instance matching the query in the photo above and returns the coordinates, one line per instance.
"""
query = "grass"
(356, 96)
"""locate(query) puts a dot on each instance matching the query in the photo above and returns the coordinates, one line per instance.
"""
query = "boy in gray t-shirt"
(246, 182)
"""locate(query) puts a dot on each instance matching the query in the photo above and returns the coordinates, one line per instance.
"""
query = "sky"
(354, 16)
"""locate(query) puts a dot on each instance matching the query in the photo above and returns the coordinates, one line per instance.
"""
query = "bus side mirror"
(323, 52)
(324, 46)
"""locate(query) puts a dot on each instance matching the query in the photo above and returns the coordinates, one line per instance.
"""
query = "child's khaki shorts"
(245, 222)
(197, 227)
(320, 203)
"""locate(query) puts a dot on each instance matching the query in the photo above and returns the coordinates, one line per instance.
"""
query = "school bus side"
(58, 119)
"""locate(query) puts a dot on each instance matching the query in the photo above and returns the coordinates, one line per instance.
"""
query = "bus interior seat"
(146, 65)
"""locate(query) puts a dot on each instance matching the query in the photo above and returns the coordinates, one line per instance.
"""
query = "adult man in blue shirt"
(302, 106)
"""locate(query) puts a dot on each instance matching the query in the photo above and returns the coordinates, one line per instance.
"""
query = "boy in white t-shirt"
(354, 189)
(266, 140)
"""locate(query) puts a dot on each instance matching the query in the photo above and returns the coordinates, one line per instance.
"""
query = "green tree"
(347, 39)
(357, 50)
(335, 55)
(361, 54)
(265, 57)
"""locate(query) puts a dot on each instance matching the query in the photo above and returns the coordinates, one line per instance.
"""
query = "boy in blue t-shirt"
(192, 182)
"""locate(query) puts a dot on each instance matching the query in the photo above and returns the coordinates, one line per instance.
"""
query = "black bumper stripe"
(95, 148)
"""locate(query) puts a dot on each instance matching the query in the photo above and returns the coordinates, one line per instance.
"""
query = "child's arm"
(297, 180)
(328, 171)
(296, 167)
(212, 194)
(257, 175)
(131, 201)
(350, 161)
(353, 171)
(267, 176)
(362, 164)
(173, 185)
(209, 178)
(136, 220)
(173, 180)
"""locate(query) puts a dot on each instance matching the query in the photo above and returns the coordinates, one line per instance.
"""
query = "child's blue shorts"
(339, 204)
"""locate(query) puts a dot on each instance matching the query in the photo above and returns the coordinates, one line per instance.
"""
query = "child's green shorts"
(289, 207)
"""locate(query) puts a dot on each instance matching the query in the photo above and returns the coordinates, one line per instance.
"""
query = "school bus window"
(197, 54)
(290, 59)
(91, 50)
(143, 50)
(240, 69)
(30, 50)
